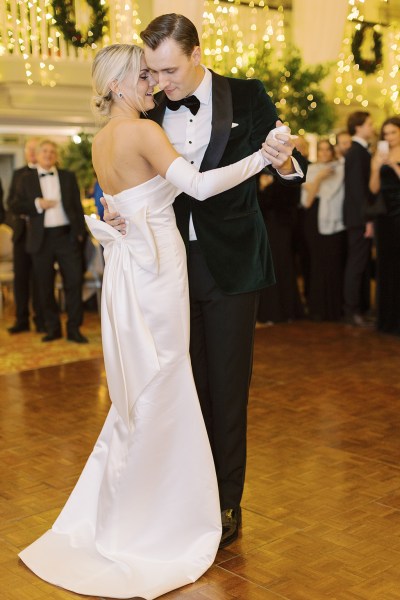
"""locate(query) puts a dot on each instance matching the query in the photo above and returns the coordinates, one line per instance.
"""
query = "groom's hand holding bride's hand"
(278, 148)
(113, 218)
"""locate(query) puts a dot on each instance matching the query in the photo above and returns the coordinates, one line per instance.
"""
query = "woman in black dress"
(385, 178)
(280, 302)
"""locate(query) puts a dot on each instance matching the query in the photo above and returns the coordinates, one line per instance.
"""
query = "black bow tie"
(191, 102)
(44, 174)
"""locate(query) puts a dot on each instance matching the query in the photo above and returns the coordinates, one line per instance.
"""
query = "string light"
(125, 23)
(352, 85)
(230, 43)
(27, 30)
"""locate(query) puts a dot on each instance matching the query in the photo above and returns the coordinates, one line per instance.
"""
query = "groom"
(214, 121)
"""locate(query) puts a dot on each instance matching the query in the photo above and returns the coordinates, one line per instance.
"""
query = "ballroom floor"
(321, 510)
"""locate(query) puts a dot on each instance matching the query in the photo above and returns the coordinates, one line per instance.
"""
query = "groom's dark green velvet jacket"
(229, 226)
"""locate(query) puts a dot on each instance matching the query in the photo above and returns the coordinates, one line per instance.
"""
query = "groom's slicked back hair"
(171, 26)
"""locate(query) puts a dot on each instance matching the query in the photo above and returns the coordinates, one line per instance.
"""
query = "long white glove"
(186, 178)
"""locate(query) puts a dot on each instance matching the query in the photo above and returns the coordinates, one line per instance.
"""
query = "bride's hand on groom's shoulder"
(113, 218)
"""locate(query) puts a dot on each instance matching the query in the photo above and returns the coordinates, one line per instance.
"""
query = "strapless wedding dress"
(144, 517)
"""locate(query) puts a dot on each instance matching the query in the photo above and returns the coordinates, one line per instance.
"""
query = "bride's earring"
(119, 94)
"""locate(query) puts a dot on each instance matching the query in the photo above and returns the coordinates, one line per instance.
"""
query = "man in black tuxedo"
(56, 231)
(24, 285)
(229, 258)
(356, 198)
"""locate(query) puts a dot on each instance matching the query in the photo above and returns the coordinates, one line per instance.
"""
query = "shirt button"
(192, 162)
(190, 142)
(191, 120)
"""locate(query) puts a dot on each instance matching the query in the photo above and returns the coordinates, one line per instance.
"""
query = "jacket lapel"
(35, 190)
(222, 117)
(65, 196)
(62, 185)
(34, 225)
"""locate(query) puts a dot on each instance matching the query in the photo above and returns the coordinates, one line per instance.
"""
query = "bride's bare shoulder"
(151, 127)
(125, 137)
(144, 133)
(130, 129)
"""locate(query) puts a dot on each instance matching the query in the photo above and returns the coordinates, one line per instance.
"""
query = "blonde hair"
(112, 64)
(44, 142)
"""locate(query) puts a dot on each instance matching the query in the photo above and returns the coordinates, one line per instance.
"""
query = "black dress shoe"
(231, 521)
(76, 336)
(19, 328)
(50, 337)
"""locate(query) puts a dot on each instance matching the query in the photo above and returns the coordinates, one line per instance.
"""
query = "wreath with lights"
(367, 66)
(63, 10)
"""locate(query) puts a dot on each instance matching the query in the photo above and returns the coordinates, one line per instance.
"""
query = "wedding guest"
(343, 144)
(322, 196)
(300, 247)
(278, 203)
(302, 145)
(385, 179)
(25, 290)
(356, 198)
(50, 197)
(213, 121)
(97, 194)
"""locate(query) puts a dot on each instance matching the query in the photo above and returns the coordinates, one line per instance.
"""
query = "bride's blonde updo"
(112, 64)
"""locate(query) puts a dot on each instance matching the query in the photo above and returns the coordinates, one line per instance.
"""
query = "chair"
(6, 263)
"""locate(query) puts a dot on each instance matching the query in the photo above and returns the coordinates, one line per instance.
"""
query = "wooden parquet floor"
(321, 510)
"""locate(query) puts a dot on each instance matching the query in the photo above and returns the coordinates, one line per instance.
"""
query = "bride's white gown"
(144, 517)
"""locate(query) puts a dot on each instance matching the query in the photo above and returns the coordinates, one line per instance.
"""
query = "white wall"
(192, 9)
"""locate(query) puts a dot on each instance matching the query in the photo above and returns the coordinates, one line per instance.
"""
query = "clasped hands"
(278, 148)
(46, 203)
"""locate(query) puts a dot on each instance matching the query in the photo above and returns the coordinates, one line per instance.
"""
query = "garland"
(367, 66)
(67, 24)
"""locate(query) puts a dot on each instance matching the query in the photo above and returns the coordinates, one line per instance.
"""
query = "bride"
(144, 516)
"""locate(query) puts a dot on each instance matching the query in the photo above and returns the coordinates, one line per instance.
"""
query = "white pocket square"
(234, 125)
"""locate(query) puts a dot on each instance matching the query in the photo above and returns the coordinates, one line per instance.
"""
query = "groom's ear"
(196, 55)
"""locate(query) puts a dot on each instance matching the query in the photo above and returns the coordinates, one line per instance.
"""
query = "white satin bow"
(138, 230)
(120, 296)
